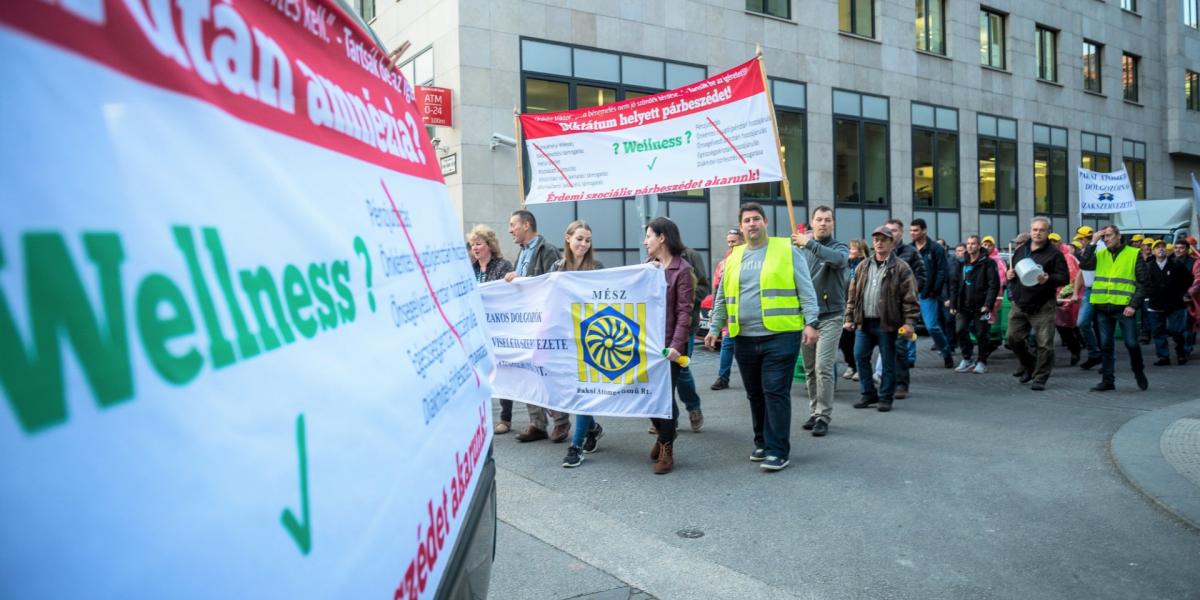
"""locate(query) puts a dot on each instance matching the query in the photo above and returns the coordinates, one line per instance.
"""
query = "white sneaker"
(855, 378)
(849, 374)
(964, 366)
(980, 368)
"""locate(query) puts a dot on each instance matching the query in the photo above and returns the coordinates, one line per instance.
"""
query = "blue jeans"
(767, 364)
(1086, 323)
(905, 357)
(867, 338)
(931, 313)
(1129, 335)
(726, 366)
(687, 383)
(583, 423)
(1168, 324)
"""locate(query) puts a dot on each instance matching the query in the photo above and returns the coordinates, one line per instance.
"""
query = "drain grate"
(690, 533)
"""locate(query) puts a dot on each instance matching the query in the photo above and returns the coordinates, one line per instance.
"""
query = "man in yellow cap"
(1084, 232)
(1120, 287)
(1054, 237)
(1165, 307)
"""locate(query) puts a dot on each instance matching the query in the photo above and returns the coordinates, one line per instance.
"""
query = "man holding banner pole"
(766, 298)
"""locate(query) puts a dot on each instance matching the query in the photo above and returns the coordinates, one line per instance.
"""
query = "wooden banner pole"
(520, 158)
(787, 189)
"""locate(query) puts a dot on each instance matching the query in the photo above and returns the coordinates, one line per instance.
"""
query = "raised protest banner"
(584, 342)
(1105, 192)
(717, 132)
(242, 353)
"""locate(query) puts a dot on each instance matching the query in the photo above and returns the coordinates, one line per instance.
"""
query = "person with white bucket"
(1038, 271)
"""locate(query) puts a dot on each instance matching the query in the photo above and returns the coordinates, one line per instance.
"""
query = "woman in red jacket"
(664, 246)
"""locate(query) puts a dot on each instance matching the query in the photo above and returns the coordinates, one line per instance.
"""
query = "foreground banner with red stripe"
(712, 133)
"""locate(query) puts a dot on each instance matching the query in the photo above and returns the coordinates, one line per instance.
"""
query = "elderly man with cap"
(1169, 282)
(1083, 290)
(1033, 305)
(881, 302)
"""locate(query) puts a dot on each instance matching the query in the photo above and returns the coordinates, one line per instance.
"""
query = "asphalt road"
(974, 487)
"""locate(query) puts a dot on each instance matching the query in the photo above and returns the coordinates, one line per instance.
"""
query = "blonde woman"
(489, 265)
(578, 256)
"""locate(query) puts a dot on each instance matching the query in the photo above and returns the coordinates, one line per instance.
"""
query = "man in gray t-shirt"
(767, 311)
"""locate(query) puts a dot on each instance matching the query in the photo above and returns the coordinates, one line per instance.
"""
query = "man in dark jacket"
(930, 294)
(1033, 305)
(536, 257)
(906, 350)
(685, 384)
(976, 287)
(829, 264)
(1169, 282)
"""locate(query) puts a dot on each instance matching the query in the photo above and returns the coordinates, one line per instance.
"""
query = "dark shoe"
(1104, 387)
(774, 463)
(758, 455)
(948, 361)
(1074, 358)
(810, 423)
(561, 432)
(865, 402)
(653, 430)
(1019, 372)
(1026, 378)
(1142, 382)
(1038, 386)
(884, 406)
(1162, 362)
(1182, 360)
(1090, 362)
(720, 384)
(900, 393)
(503, 427)
(1143, 340)
(820, 428)
(655, 450)
(697, 420)
(574, 457)
(666, 458)
(593, 435)
(532, 434)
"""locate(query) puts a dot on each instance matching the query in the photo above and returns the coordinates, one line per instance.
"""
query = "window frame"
(934, 159)
(1134, 62)
(1129, 157)
(1003, 37)
(1191, 90)
(1043, 33)
(1098, 64)
(1094, 152)
(924, 44)
(854, 5)
(1129, 6)
(887, 200)
(1051, 148)
(1191, 13)
(764, 3)
(996, 140)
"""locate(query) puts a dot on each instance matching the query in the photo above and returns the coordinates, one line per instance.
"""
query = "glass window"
(681, 75)
(603, 66)
(789, 93)
(642, 72)
(587, 96)
(935, 159)
(366, 8)
(1092, 61)
(1047, 54)
(1129, 76)
(857, 17)
(861, 151)
(545, 58)
(1129, 5)
(991, 39)
(546, 96)
(846, 103)
(1191, 90)
(789, 99)
(874, 107)
(997, 167)
(1050, 171)
(1135, 166)
(775, 8)
(419, 69)
(846, 171)
(1096, 152)
(931, 26)
(1191, 13)
(875, 163)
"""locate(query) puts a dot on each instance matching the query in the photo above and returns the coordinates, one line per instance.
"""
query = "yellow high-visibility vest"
(1116, 281)
(777, 288)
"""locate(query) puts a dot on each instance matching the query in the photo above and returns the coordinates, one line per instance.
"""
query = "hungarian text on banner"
(1105, 192)
(713, 133)
(584, 342)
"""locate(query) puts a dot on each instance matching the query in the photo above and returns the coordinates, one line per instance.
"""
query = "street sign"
(449, 164)
(435, 105)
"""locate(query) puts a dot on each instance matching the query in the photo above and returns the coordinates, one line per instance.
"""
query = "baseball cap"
(1157, 243)
(1137, 237)
(1148, 242)
(1084, 231)
(988, 238)
(883, 230)
(1054, 237)
(1077, 244)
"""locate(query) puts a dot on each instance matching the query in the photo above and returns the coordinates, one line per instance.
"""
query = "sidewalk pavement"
(1159, 453)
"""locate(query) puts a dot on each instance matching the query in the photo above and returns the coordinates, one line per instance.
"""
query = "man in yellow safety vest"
(768, 301)
(1117, 294)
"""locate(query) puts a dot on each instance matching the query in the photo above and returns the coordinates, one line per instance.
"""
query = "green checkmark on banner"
(651, 165)
(301, 531)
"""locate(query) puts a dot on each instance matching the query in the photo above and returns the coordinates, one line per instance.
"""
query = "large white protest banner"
(587, 342)
(713, 133)
(1105, 192)
(241, 350)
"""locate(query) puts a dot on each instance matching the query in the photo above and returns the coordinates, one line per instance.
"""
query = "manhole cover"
(690, 533)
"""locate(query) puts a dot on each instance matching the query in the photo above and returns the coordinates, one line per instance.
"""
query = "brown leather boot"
(666, 458)
(655, 450)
